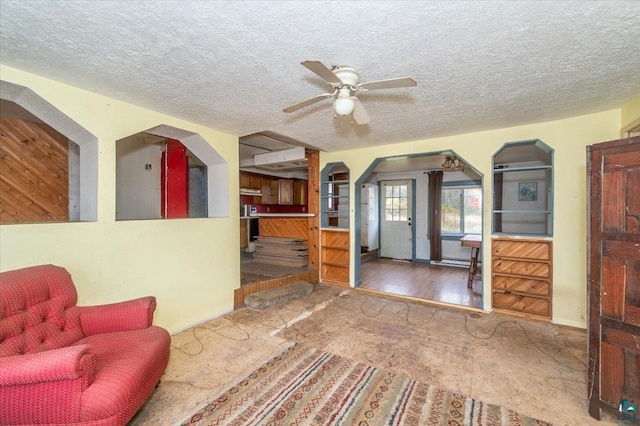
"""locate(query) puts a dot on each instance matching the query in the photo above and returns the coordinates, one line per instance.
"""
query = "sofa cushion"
(128, 365)
(37, 310)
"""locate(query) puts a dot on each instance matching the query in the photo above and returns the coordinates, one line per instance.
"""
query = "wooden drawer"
(335, 273)
(523, 249)
(521, 267)
(521, 285)
(528, 304)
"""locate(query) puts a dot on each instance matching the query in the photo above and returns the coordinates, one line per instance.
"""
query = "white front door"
(395, 220)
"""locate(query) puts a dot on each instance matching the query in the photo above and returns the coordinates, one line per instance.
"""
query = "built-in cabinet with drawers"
(522, 276)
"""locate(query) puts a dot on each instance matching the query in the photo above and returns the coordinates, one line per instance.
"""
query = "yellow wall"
(630, 111)
(191, 265)
(568, 138)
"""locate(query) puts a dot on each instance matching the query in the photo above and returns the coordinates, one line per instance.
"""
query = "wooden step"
(273, 296)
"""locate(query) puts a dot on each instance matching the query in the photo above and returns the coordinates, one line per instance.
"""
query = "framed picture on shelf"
(527, 191)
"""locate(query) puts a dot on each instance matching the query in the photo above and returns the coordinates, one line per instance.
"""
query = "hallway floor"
(438, 283)
(537, 369)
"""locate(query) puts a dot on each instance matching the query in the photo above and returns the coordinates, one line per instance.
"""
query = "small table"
(475, 242)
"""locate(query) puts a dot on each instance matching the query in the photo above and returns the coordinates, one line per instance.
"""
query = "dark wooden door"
(614, 277)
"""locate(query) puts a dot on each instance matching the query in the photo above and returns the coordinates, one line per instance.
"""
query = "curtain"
(435, 215)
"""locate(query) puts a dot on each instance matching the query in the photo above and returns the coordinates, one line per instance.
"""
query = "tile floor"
(538, 369)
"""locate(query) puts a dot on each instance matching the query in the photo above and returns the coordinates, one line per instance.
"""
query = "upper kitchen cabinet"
(285, 191)
(300, 192)
(523, 189)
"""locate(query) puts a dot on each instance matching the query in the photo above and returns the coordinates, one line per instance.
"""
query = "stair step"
(273, 296)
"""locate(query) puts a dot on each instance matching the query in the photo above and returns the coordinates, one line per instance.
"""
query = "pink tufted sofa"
(64, 364)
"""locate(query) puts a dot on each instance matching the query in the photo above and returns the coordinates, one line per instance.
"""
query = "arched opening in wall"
(166, 173)
(334, 219)
(48, 163)
(418, 223)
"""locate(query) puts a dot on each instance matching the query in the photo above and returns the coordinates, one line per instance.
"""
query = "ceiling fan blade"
(313, 100)
(321, 70)
(391, 83)
(360, 114)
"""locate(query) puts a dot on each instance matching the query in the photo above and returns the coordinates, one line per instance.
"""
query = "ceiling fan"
(345, 82)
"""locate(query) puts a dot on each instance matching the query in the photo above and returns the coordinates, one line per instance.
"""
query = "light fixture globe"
(343, 104)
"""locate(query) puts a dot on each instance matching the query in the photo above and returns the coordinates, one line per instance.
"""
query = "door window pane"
(396, 203)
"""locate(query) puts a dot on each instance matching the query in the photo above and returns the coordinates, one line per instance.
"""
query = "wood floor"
(445, 284)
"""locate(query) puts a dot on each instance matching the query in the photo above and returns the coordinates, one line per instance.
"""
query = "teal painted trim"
(521, 169)
(335, 182)
(452, 237)
(413, 219)
(422, 261)
(463, 183)
(357, 271)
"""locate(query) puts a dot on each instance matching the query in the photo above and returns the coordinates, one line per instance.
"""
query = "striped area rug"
(304, 386)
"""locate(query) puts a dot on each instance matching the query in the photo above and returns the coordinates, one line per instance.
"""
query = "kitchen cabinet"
(270, 190)
(245, 180)
(300, 192)
(255, 182)
(285, 191)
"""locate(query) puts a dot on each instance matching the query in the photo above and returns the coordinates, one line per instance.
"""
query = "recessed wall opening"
(335, 217)
(335, 196)
(48, 163)
(523, 189)
(412, 214)
(166, 173)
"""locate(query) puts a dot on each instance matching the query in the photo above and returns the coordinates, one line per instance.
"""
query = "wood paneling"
(521, 276)
(34, 167)
(284, 227)
(313, 196)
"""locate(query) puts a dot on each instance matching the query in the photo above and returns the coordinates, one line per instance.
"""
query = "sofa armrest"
(45, 387)
(71, 362)
(123, 316)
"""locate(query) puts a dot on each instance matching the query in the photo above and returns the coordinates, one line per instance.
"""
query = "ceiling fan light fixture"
(344, 106)
(452, 162)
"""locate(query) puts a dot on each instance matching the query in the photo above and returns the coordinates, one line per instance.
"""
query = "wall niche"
(523, 189)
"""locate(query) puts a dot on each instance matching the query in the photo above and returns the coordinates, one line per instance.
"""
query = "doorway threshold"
(403, 297)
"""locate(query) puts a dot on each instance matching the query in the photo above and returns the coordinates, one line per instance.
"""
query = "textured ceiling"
(234, 65)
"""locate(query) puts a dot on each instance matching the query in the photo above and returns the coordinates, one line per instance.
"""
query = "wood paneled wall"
(284, 227)
(34, 168)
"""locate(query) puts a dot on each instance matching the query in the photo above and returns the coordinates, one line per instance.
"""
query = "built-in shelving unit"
(523, 189)
(334, 196)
